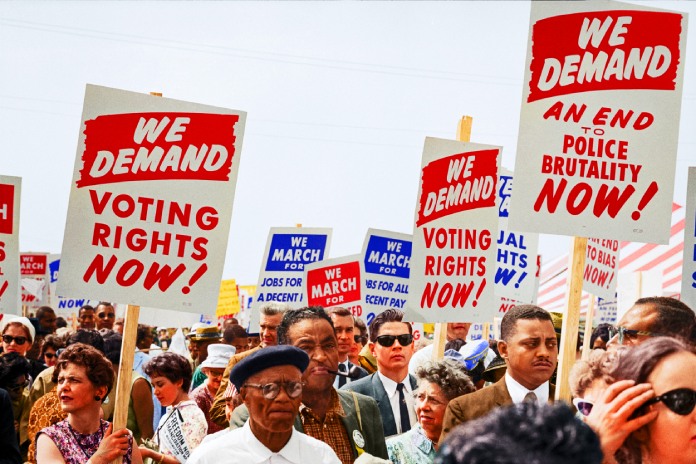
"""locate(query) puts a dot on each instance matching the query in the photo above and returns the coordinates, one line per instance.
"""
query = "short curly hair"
(99, 370)
(596, 367)
(172, 366)
(293, 316)
(449, 374)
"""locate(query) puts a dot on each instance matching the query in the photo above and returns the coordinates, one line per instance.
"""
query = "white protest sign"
(688, 286)
(602, 97)
(456, 222)
(601, 273)
(516, 253)
(10, 291)
(171, 435)
(35, 279)
(150, 201)
(335, 282)
(385, 262)
(606, 310)
(60, 304)
(288, 251)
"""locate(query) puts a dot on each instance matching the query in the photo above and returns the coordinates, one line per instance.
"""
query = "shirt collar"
(518, 392)
(334, 407)
(420, 441)
(390, 385)
(291, 450)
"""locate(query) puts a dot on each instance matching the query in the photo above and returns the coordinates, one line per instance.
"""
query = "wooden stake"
(586, 348)
(571, 318)
(440, 337)
(125, 369)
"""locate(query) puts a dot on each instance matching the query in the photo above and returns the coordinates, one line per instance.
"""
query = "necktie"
(403, 409)
(341, 379)
(530, 397)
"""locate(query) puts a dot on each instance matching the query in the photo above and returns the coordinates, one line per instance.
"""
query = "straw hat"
(208, 332)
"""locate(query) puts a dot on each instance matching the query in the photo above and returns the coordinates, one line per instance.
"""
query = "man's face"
(316, 338)
(86, 319)
(345, 329)
(531, 353)
(268, 326)
(458, 330)
(275, 415)
(48, 322)
(639, 317)
(240, 344)
(106, 315)
(396, 357)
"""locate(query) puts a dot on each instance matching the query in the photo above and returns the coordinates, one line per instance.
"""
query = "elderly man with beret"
(270, 384)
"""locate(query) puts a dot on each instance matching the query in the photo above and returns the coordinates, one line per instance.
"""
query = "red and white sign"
(452, 268)
(10, 189)
(335, 282)
(601, 271)
(151, 201)
(34, 264)
(602, 97)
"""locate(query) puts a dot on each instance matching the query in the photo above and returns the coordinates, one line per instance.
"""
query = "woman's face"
(49, 357)
(75, 391)
(214, 377)
(672, 438)
(430, 409)
(166, 391)
(11, 333)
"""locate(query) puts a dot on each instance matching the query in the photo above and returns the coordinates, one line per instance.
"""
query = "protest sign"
(10, 291)
(601, 272)
(606, 311)
(59, 304)
(602, 95)
(150, 201)
(288, 251)
(516, 252)
(336, 282)
(171, 434)
(386, 265)
(228, 299)
(35, 279)
(453, 258)
(688, 286)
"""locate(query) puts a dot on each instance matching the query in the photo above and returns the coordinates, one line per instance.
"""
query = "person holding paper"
(84, 378)
(170, 375)
(270, 383)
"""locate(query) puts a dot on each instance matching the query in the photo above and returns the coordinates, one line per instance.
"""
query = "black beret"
(271, 356)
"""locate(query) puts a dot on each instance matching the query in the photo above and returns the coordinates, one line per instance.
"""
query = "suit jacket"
(477, 404)
(372, 386)
(364, 418)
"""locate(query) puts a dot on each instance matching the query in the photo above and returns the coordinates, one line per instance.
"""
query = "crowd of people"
(317, 385)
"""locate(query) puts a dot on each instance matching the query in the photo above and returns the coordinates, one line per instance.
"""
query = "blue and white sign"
(516, 254)
(386, 261)
(58, 303)
(288, 251)
(688, 289)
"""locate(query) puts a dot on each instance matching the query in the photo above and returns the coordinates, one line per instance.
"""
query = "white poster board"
(602, 96)
(10, 290)
(456, 222)
(688, 286)
(601, 268)
(150, 201)
(385, 264)
(516, 271)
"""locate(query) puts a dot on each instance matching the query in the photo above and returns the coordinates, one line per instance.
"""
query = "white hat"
(19, 320)
(219, 355)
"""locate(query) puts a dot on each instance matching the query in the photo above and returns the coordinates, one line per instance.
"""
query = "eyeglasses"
(360, 339)
(680, 401)
(388, 340)
(629, 334)
(18, 340)
(271, 390)
(583, 406)
(106, 315)
(18, 387)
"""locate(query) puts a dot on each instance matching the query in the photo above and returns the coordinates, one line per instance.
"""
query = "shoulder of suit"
(347, 396)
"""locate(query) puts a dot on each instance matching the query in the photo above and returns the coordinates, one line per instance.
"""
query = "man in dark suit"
(391, 343)
(344, 328)
(530, 349)
(348, 422)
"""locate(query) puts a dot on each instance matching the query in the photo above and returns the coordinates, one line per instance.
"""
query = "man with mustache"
(348, 422)
(530, 349)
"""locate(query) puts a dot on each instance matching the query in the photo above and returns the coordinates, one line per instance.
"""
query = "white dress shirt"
(240, 446)
(393, 394)
(348, 379)
(518, 392)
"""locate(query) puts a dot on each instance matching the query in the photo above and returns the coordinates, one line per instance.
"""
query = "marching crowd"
(316, 385)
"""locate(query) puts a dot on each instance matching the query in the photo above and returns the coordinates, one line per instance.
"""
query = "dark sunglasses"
(360, 339)
(584, 407)
(388, 340)
(680, 401)
(50, 355)
(106, 315)
(18, 340)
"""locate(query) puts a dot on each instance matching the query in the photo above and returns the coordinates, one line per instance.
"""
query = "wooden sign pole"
(586, 348)
(571, 318)
(440, 337)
